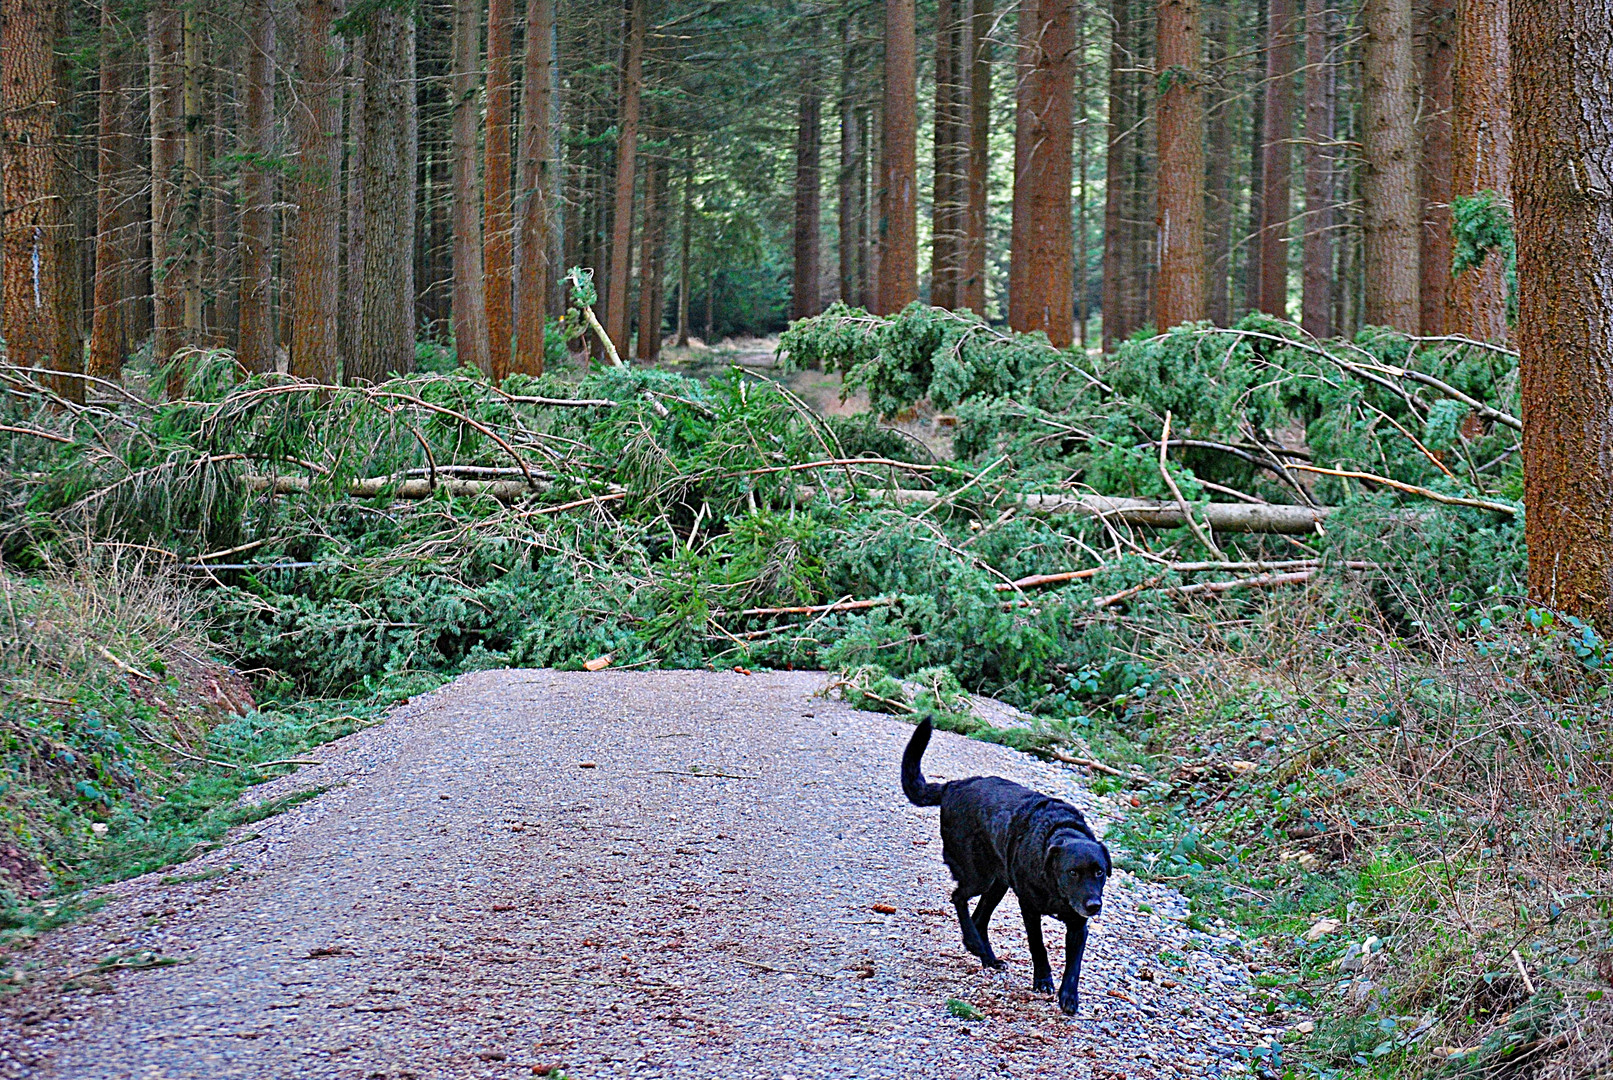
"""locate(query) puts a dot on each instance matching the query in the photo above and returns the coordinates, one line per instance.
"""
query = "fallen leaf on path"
(503, 907)
(884, 909)
(1321, 928)
(599, 663)
(587, 764)
(743, 670)
(329, 950)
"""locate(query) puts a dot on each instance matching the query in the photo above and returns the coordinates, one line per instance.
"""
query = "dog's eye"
(1100, 875)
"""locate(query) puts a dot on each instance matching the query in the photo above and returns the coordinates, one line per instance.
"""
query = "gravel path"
(468, 899)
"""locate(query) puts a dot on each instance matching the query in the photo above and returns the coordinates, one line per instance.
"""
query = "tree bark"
(972, 289)
(470, 291)
(1438, 35)
(316, 249)
(1390, 214)
(950, 185)
(500, 222)
(621, 248)
(1116, 251)
(193, 182)
(385, 338)
(683, 255)
(34, 314)
(1562, 180)
(532, 282)
(1040, 267)
(1218, 184)
(357, 128)
(108, 338)
(1083, 103)
(1482, 155)
(808, 198)
(1180, 118)
(898, 206)
(1316, 305)
(649, 329)
(256, 348)
(164, 41)
(1252, 269)
(1276, 182)
(851, 180)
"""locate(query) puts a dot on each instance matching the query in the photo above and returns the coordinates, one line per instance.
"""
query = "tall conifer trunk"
(1438, 34)
(1040, 268)
(851, 180)
(164, 41)
(316, 249)
(384, 341)
(256, 348)
(1218, 182)
(532, 285)
(1117, 268)
(108, 338)
(1276, 182)
(193, 183)
(1390, 205)
(972, 289)
(35, 280)
(808, 199)
(684, 233)
(1562, 181)
(500, 223)
(470, 292)
(621, 247)
(1316, 305)
(649, 284)
(898, 195)
(1180, 286)
(950, 185)
(1482, 145)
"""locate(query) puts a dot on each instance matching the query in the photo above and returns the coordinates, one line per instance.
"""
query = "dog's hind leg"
(973, 940)
(988, 903)
(1075, 943)
(1041, 970)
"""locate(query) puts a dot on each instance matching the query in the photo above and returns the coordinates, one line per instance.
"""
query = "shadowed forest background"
(1225, 384)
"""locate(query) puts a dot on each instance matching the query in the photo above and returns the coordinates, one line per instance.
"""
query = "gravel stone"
(464, 901)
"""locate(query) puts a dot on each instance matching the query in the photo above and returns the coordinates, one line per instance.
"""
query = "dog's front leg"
(1041, 970)
(1075, 943)
(972, 939)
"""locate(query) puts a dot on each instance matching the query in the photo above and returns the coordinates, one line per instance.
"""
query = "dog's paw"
(1069, 1000)
(1044, 985)
(991, 962)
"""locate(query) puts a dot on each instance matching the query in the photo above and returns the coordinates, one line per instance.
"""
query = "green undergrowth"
(1412, 827)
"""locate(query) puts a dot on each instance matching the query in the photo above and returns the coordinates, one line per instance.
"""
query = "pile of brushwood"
(1267, 586)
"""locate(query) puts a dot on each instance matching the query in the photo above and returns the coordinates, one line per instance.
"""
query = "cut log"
(411, 488)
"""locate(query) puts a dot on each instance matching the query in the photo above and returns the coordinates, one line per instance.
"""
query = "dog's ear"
(1108, 864)
(1053, 850)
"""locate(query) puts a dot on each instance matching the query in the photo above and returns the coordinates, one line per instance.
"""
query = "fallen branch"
(564, 403)
(412, 488)
(38, 434)
(1170, 482)
(815, 609)
(1095, 766)
(120, 665)
(1149, 513)
(1412, 489)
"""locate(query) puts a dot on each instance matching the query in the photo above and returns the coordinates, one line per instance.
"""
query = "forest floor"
(676, 873)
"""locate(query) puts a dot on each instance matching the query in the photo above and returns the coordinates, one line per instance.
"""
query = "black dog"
(996, 836)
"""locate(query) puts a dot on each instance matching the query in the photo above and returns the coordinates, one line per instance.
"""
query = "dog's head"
(1078, 867)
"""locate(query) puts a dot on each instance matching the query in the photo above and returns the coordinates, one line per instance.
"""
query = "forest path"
(467, 900)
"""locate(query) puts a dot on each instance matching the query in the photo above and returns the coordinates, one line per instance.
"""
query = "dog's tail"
(919, 791)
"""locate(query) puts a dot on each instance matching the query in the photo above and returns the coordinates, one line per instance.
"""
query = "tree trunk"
(500, 223)
(655, 261)
(1218, 184)
(194, 183)
(972, 289)
(256, 348)
(950, 184)
(1276, 183)
(470, 292)
(1083, 102)
(898, 207)
(621, 248)
(1438, 36)
(167, 313)
(1390, 212)
(1562, 180)
(108, 339)
(1252, 269)
(683, 254)
(1040, 278)
(1116, 251)
(34, 317)
(649, 332)
(1482, 144)
(851, 179)
(808, 194)
(385, 338)
(1180, 118)
(352, 317)
(1316, 310)
(316, 249)
(532, 282)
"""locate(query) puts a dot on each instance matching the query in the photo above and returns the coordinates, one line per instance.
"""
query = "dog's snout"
(1094, 908)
